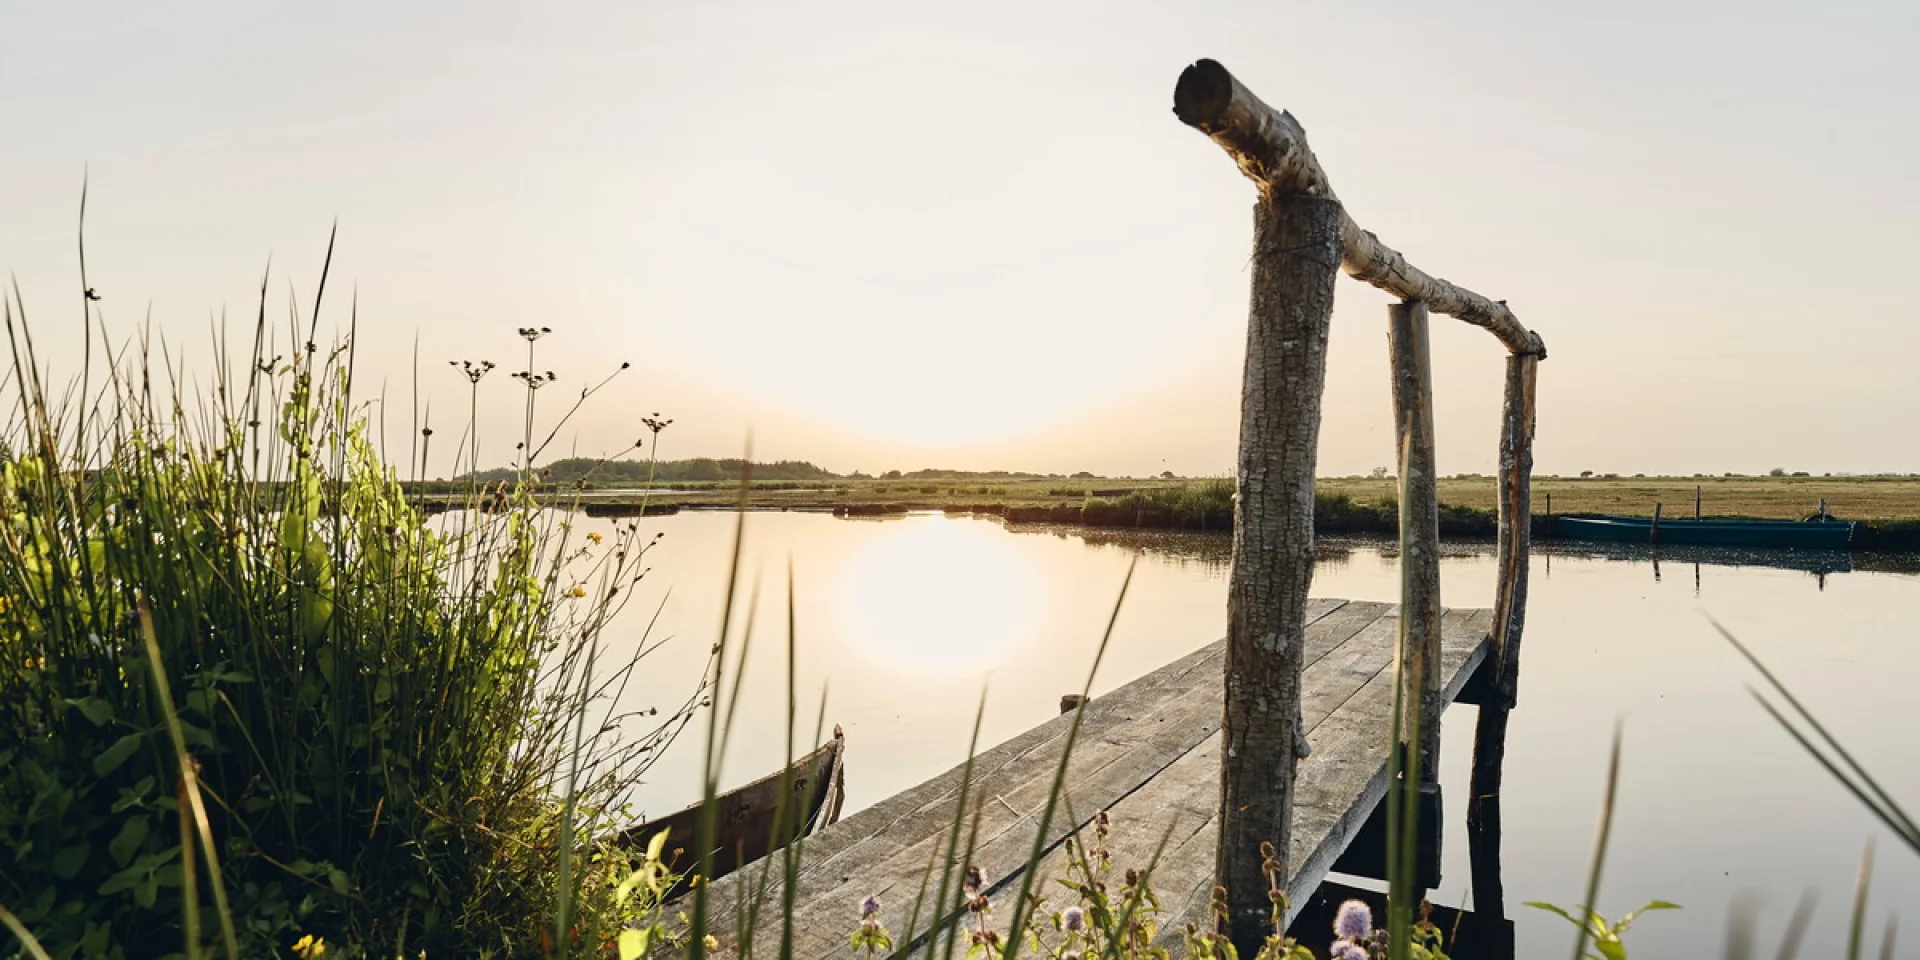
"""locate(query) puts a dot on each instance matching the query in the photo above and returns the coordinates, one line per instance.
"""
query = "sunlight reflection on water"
(902, 623)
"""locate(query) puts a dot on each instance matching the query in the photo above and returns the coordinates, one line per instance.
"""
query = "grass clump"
(225, 609)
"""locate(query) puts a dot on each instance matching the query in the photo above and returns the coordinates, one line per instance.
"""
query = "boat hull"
(1786, 534)
(753, 821)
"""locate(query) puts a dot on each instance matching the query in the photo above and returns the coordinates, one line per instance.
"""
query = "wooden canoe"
(746, 821)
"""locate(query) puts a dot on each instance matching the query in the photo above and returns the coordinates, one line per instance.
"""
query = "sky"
(881, 235)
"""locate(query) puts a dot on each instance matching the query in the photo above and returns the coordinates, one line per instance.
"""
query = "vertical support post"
(1696, 501)
(1296, 256)
(1419, 532)
(1417, 657)
(1509, 618)
(1654, 534)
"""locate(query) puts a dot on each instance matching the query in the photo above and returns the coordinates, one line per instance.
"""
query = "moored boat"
(751, 821)
(1819, 532)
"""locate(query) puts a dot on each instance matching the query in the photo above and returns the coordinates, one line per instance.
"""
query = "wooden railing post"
(1419, 533)
(1296, 258)
(1509, 617)
(1296, 251)
(1302, 237)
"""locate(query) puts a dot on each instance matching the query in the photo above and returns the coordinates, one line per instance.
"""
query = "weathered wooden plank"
(927, 803)
(1340, 783)
(1126, 736)
(1176, 803)
(1347, 711)
(1133, 760)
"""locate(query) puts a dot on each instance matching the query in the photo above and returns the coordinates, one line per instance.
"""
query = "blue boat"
(1819, 532)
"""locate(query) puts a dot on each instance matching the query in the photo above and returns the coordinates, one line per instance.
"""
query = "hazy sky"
(973, 235)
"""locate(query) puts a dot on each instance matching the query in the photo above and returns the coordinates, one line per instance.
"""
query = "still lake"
(903, 623)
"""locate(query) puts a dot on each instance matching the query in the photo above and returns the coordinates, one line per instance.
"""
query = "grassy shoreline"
(1886, 508)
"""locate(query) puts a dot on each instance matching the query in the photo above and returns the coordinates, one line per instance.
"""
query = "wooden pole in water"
(1515, 495)
(1509, 619)
(1653, 535)
(1420, 610)
(1696, 501)
(1297, 252)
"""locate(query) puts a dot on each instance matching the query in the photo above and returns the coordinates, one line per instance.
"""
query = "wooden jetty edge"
(1148, 754)
(1284, 733)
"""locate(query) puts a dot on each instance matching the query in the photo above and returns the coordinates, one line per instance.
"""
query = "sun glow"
(941, 597)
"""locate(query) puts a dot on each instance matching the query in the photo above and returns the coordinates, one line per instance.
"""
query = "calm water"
(904, 622)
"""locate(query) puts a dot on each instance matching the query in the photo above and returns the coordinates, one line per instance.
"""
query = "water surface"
(904, 622)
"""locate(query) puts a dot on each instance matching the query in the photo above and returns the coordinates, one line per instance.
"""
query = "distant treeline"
(706, 470)
(696, 470)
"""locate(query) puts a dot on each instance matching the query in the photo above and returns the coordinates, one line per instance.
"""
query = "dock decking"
(1149, 754)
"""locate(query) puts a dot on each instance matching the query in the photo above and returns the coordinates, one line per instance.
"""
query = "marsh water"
(902, 624)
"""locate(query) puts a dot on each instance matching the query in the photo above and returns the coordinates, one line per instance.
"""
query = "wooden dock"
(1148, 753)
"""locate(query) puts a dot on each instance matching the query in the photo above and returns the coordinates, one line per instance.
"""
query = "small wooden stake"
(1653, 535)
(1696, 501)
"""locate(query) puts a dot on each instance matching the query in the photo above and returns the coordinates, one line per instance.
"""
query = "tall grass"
(244, 680)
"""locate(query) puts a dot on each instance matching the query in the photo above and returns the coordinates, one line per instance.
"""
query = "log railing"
(1302, 238)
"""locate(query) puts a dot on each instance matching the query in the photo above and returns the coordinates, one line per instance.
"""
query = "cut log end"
(1539, 346)
(1203, 94)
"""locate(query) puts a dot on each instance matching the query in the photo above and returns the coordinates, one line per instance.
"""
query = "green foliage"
(1604, 936)
(373, 710)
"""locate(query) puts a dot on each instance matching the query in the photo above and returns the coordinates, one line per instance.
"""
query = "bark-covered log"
(1271, 149)
(1509, 618)
(1419, 533)
(1514, 490)
(1296, 258)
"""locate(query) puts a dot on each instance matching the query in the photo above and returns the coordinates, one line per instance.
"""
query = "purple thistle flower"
(1346, 950)
(1354, 922)
(1073, 919)
(869, 906)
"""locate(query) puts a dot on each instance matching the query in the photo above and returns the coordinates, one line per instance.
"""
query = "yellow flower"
(593, 538)
(309, 947)
(577, 592)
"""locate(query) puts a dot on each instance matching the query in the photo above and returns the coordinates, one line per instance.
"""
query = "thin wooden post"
(1419, 531)
(1654, 534)
(1418, 653)
(1296, 258)
(1509, 620)
(1696, 501)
